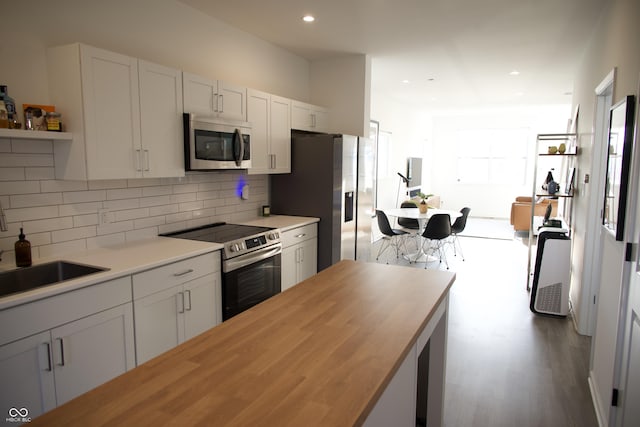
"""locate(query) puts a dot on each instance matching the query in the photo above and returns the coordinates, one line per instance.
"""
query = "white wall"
(490, 200)
(410, 137)
(614, 45)
(162, 31)
(61, 216)
(343, 85)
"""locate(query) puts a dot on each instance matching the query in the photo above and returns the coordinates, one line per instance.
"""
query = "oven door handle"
(251, 258)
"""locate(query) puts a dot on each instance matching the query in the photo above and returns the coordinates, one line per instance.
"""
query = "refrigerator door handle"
(348, 206)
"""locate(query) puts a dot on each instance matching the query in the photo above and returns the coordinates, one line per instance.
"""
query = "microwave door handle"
(238, 147)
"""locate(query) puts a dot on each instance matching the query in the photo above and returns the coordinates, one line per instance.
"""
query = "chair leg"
(456, 242)
(386, 242)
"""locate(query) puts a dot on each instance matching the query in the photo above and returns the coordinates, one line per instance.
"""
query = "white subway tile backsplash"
(19, 187)
(131, 214)
(126, 193)
(84, 196)
(12, 174)
(28, 214)
(84, 220)
(162, 190)
(80, 208)
(31, 146)
(58, 185)
(73, 234)
(183, 198)
(107, 184)
(115, 227)
(41, 199)
(191, 206)
(52, 224)
(163, 210)
(27, 160)
(62, 216)
(32, 174)
(154, 201)
(118, 205)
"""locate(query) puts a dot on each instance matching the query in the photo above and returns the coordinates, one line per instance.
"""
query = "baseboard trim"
(595, 398)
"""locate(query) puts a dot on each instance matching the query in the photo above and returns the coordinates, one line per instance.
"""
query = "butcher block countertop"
(318, 354)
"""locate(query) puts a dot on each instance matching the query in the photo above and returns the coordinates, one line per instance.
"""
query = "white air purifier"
(552, 273)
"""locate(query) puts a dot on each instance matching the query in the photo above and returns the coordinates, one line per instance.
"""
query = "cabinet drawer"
(47, 313)
(300, 234)
(161, 278)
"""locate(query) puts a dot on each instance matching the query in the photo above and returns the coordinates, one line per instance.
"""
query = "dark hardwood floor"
(505, 365)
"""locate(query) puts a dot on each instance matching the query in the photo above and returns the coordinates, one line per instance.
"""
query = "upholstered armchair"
(521, 211)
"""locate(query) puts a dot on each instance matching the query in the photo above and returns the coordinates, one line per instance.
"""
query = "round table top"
(415, 213)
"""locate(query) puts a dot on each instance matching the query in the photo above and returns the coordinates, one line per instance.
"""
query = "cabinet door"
(199, 94)
(232, 101)
(200, 311)
(308, 259)
(111, 113)
(258, 115)
(289, 267)
(280, 134)
(26, 375)
(320, 119)
(160, 121)
(159, 323)
(92, 350)
(300, 116)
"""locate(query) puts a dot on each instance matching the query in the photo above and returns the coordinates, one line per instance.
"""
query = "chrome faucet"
(3, 221)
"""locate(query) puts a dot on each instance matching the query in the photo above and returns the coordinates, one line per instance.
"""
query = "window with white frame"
(492, 156)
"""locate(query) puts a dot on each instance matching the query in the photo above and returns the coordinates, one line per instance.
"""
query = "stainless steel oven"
(251, 262)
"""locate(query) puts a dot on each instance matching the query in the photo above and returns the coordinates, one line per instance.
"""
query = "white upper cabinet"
(101, 96)
(214, 98)
(309, 117)
(269, 116)
(161, 120)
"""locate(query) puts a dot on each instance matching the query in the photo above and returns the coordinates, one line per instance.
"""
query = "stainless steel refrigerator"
(333, 177)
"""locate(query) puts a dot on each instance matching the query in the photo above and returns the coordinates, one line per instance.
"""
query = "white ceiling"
(468, 47)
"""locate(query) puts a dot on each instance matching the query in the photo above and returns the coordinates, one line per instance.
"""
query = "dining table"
(423, 218)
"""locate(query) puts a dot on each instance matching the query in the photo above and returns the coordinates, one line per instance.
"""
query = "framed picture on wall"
(618, 165)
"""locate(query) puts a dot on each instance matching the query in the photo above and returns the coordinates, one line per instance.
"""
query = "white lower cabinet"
(50, 368)
(299, 255)
(174, 303)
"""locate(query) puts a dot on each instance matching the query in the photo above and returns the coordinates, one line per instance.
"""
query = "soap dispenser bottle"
(23, 251)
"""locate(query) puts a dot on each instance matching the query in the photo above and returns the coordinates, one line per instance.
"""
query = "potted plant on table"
(423, 203)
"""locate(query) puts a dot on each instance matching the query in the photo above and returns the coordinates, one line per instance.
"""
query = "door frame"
(593, 238)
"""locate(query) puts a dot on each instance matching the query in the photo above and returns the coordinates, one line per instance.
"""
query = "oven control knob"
(273, 236)
(234, 247)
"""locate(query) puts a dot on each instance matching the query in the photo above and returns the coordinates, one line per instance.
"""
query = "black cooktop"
(219, 232)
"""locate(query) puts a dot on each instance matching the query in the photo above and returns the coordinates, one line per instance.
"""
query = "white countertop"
(283, 222)
(121, 260)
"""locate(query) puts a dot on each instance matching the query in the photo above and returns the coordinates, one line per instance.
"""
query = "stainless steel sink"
(28, 278)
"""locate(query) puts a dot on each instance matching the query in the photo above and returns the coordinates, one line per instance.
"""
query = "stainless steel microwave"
(213, 143)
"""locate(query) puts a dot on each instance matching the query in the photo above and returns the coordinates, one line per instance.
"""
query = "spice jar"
(53, 121)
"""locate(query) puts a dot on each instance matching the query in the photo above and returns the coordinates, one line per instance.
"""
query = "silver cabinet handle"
(138, 160)
(183, 273)
(221, 103)
(60, 340)
(301, 255)
(49, 362)
(188, 300)
(180, 302)
(301, 235)
(146, 159)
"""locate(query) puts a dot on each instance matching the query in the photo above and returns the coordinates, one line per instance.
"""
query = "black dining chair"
(410, 224)
(391, 237)
(436, 233)
(458, 227)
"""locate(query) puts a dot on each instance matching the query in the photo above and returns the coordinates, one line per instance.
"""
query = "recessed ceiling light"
(308, 18)
(405, 81)
(568, 93)
(514, 73)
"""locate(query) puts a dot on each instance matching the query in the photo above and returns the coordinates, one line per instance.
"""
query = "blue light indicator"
(240, 185)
